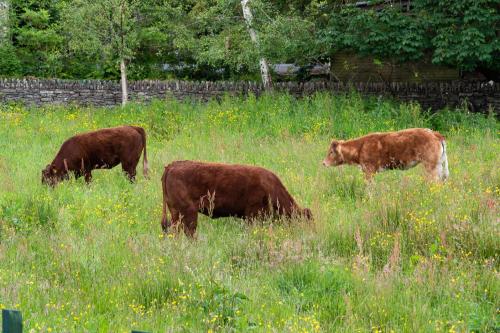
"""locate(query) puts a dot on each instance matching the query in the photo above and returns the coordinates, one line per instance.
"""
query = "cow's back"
(101, 143)
(225, 189)
(397, 149)
(110, 140)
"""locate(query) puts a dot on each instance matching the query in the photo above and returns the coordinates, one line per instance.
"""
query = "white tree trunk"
(123, 82)
(264, 67)
(4, 21)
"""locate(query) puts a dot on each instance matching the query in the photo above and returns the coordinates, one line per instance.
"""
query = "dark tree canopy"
(208, 39)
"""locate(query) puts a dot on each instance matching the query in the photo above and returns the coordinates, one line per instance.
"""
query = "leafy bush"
(9, 63)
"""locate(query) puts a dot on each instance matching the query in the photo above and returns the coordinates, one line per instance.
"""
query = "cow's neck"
(350, 152)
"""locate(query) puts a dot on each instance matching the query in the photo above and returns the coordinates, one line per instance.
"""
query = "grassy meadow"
(399, 254)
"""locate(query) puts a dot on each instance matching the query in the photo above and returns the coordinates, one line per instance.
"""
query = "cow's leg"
(165, 224)
(253, 212)
(130, 171)
(173, 224)
(78, 174)
(130, 174)
(190, 222)
(129, 167)
(369, 172)
(432, 169)
(88, 176)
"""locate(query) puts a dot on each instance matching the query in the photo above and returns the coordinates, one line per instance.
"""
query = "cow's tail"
(164, 219)
(443, 161)
(145, 167)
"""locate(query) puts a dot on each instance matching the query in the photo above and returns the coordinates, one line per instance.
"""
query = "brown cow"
(101, 149)
(393, 150)
(221, 190)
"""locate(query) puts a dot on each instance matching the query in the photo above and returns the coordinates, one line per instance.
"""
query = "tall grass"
(399, 254)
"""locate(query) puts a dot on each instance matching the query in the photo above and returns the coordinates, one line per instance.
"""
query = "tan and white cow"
(393, 150)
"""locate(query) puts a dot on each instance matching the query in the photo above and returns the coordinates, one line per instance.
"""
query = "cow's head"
(334, 156)
(52, 175)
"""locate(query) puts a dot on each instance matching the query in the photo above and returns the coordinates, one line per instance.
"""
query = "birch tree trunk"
(264, 67)
(123, 67)
(123, 82)
(4, 21)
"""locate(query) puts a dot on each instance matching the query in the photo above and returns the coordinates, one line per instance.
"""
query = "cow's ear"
(334, 145)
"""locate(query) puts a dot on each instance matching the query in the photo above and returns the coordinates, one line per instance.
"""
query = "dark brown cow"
(220, 190)
(101, 149)
(393, 150)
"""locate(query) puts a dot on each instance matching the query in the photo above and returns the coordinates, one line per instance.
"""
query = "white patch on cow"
(442, 167)
(439, 170)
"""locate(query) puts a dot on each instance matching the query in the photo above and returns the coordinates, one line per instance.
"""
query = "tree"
(464, 34)
(163, 37)
(215, 36)
(290, 30)
(9, 63)
(209, 39)
(287, 32)
(104, 29)
(264, 67)
(458, 33)
(4, 20)
(33, 32)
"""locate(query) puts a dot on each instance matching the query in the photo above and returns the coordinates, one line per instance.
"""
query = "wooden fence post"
(12, 321)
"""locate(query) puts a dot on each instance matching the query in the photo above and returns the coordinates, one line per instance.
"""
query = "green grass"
(399, 254)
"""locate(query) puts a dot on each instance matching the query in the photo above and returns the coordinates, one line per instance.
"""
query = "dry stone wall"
(480, 97)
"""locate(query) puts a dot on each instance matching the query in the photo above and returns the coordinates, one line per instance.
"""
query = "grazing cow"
(393, 150)
(101, 149)
(220, 190)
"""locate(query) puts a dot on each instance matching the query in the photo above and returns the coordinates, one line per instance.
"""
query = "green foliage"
(110, 34)
(288, 39)
(28, 214)
(222, 304)
(464, 33)
(9, 63)
(319, 289)
(461, 34)
(36, 38)
(388, 34)
(208, 39)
